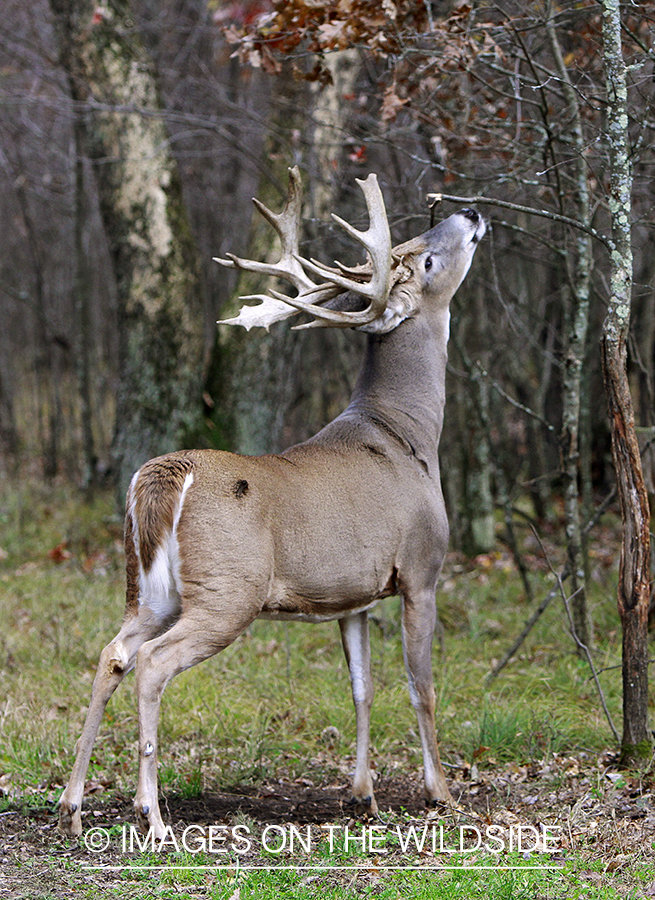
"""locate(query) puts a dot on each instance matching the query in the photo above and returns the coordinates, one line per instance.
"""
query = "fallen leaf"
(59, 553)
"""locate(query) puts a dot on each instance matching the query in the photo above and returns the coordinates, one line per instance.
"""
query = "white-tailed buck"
(322, 531)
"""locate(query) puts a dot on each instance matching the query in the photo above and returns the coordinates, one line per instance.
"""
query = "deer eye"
(428, 264)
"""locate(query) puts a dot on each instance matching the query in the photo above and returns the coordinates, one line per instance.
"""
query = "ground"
(602, 825)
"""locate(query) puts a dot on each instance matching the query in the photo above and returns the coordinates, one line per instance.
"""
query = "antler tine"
(377, 241)
(287, 225)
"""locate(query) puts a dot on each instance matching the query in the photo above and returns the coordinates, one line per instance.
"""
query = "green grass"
(303, 885)
(258, 710)
(191, 877)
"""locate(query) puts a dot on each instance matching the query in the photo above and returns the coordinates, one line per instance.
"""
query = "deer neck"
(401, 385)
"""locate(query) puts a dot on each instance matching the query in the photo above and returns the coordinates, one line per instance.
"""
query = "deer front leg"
(356, 645)
(116, 660)
(419, 618)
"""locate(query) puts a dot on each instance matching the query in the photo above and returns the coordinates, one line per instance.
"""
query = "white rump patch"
(160, 588)
(155, 586)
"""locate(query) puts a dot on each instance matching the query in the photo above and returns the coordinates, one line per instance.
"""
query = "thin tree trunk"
(577, 326)
(8, 432)
(82, 299)
(634, 570)
(69, 16)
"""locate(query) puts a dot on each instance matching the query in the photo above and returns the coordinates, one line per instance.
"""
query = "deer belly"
(322, 592)
(312, 612)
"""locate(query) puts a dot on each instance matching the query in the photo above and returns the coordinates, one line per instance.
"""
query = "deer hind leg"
(116, 660)
(418, 623)
(356, 645)
(195, 636)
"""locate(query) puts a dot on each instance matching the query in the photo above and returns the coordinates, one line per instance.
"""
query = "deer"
(322, 531)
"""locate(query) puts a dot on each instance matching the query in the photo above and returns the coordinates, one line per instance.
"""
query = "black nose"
(471, 214)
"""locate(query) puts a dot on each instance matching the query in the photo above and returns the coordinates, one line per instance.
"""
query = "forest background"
(132, 137)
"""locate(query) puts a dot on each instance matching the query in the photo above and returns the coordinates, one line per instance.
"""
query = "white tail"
(322, 531)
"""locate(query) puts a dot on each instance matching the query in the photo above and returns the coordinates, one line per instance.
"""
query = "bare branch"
(433, 199)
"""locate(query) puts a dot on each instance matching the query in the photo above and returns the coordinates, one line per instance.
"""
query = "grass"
(259, 711)
(448, 885)
(189, 877)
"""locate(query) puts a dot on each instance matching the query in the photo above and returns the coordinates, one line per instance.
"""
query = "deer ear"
(348, 301)
(395, 313)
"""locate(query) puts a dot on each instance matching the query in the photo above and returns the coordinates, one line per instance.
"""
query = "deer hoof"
(70, 819)
(437, 803)
(364, 807)
(142, 812)
(149, 821)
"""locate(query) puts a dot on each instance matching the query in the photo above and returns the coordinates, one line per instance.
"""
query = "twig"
(564, 574)
(599, 512)
(589, 659)
(514, 402)
(578, 642)
(619, 666)
(511, 541)
(525, 632)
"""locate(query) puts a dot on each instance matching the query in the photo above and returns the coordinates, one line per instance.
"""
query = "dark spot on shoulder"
(240, 488)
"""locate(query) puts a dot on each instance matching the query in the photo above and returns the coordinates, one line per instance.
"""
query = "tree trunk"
(160, 314)
(276, 388)
(576, 341)
(82, 300)
(8, 432)
(634, 570)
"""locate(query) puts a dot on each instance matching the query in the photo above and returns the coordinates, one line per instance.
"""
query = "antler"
(287, 225)
(291, 266)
